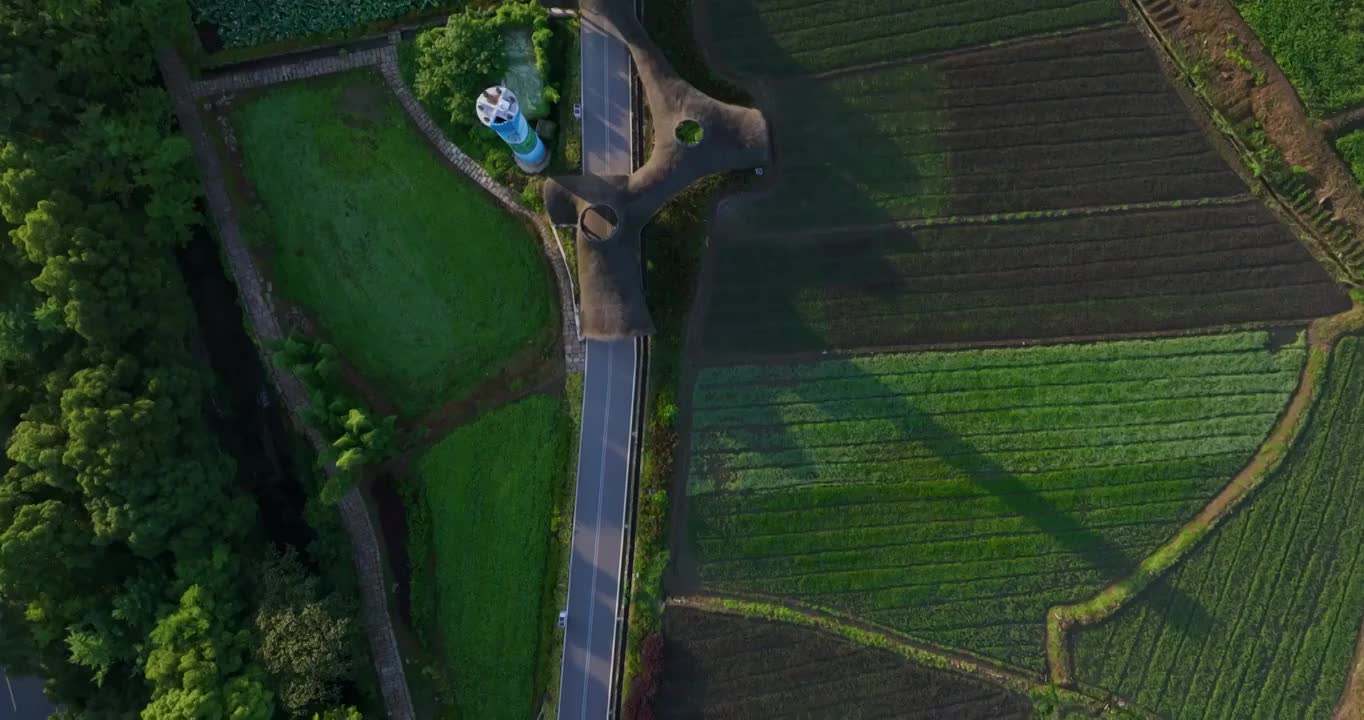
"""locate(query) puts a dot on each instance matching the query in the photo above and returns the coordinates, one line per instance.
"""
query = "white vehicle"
(563, 619)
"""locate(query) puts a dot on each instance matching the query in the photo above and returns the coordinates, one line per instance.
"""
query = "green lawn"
(957, 496)
(490, 490)
(418, 277)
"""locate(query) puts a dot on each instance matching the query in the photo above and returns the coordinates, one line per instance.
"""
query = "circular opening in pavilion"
(599, 222)
(689, 132)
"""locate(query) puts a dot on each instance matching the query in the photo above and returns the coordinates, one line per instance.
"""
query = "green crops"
(956, 496)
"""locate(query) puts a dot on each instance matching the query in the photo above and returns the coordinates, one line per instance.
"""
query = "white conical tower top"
(497, 105)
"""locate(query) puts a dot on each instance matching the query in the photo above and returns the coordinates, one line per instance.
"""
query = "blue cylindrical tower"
(498, 109)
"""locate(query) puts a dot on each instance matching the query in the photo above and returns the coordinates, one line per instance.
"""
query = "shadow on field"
(857, 136)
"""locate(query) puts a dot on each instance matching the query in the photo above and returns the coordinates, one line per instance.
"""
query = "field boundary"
(870, 635)
(385, 59)
(265, 329)
(1011, 217)
(1322, 336)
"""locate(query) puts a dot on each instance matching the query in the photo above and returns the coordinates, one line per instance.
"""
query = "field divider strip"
(1020, 216)
(1322, 337)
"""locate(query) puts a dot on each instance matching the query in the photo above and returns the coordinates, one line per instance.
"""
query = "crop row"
(1261, 621)
(867, 289)
(722, 666)
(781, 37)
(956, 496)
(978, 361)
(807, 321)
(1237, 352)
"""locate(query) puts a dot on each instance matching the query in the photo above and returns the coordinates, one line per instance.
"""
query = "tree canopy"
(125, 544)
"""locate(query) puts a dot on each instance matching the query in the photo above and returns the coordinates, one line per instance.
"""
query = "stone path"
(254, 294)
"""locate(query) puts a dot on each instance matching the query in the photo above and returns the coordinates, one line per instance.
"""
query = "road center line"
(596, 543)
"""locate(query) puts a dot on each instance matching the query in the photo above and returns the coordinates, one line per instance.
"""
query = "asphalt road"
(22, 699)
(606, 102)
(594, 580)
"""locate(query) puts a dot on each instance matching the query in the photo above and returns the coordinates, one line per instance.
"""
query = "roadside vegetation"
(1351, 146)
(957, 496)
(425, 285)
(144, 571)
(1320, 46)
(1261, 619)
(481, 551)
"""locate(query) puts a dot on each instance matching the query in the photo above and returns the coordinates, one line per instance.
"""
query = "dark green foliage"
(357, 438)
(1351, 148)
(243, 23)
(1261, 620)
(1318, 43)
(456, 62)
(957, 496)
(125, 540)
(306, 639)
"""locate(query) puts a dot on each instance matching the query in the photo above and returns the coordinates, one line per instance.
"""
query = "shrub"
(639, 702)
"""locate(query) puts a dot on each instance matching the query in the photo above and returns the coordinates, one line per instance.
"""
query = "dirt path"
(1214, 34)
(1321, 339)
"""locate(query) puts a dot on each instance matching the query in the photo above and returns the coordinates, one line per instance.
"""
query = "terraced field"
(956, 496)
(901, 175)
(1261, 620)
(720, 666)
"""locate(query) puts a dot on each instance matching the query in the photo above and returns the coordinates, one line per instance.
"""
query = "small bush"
(639, 702)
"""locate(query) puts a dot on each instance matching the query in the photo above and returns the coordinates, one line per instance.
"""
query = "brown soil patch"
(1213, 27)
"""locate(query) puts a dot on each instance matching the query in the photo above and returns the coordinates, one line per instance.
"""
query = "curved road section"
(605, 448)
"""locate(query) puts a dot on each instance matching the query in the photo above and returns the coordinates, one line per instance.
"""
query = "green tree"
(456, 62)
(307, 640)
(197, 667)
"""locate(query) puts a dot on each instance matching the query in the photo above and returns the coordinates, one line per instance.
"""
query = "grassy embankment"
(485, 593)
(422, 282)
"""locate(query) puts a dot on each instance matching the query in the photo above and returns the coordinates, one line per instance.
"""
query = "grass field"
(490, 490)
(956, 496)
(780, 37)
(719, 666)
(416, 275)
(1261, 620)
(1318, 43)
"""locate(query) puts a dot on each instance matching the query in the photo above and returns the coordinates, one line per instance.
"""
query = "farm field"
(719, 666)
(490, 490)
(1318, 43)
(1261, 620)
(1048, 187)
(243, 23)
(779, 37)
(385, 247)
(956, 496)
(1077, 121)
(1129, 272)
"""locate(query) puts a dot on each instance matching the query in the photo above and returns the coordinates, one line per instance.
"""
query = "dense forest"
(136, 574)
